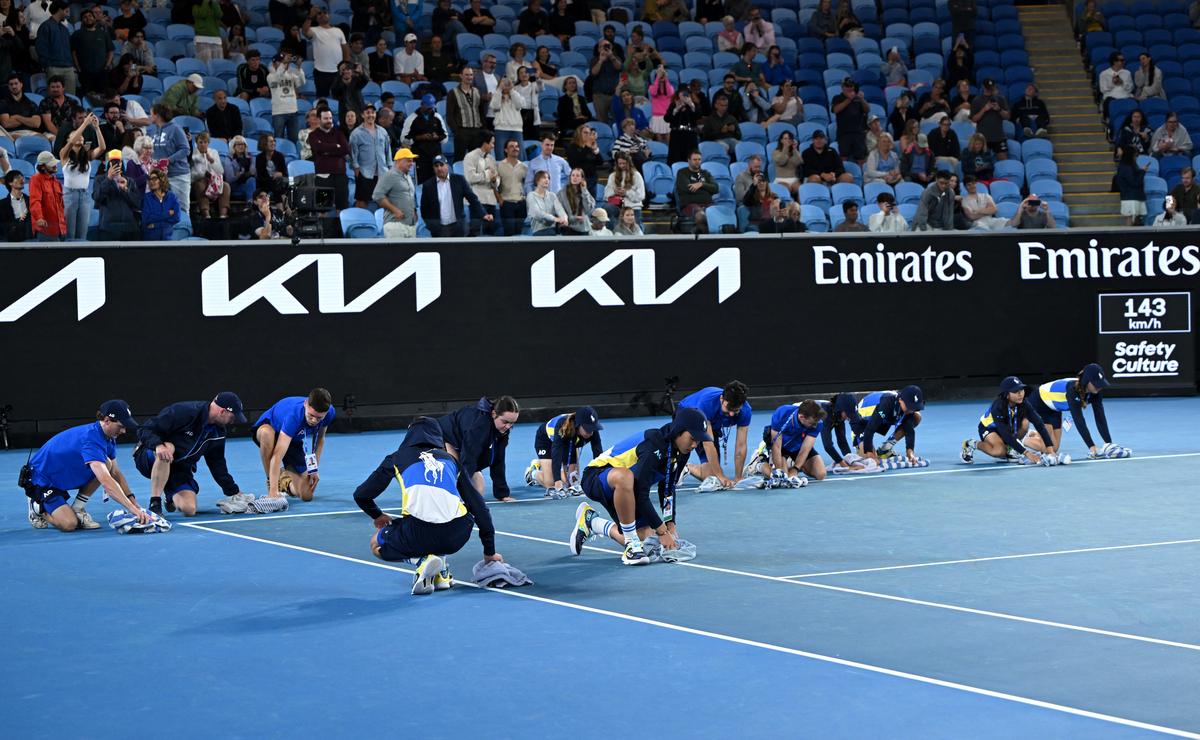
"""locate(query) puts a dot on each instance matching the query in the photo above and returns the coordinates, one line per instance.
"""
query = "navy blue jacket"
(473, 435)
(841, 403)
(431, 210)
(117, 207)
(887, 413)
(1006, 421)
(185, 425)
(425, 435)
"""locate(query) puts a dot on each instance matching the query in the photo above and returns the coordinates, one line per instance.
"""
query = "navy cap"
(691, 420)
(586, 419)
(439, 159)
(118, 411)
(229, 401)
(428, 101)
(913, 397)
(1012, 384)
(1093, 374)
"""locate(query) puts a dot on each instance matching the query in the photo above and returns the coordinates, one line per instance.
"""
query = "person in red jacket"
(46, 206)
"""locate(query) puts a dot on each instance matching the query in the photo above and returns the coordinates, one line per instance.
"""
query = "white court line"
(901, 599)
(234, 518)
(743, 641)
(996, 557)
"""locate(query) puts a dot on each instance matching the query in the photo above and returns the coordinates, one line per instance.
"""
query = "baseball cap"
(404, 153)
(989, 82)
(818, 134)
(586, 417)
(873, 118)
(439, 159)
(118, 411)
(600, 215)
(196, 80)
(691, 420)
(428, 101)
(113, 154)
(410, 37)
(45, 159)
(1011, 384)
(913, 397)
(849, 82)
(922, 140)
(1093, 374)
(229, 401)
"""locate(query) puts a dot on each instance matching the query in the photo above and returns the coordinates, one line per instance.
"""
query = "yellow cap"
(113, 154)
(403, 154)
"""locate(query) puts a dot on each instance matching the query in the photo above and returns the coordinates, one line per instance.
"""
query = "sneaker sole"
(443, 584)
(423, 584)
(640, 561)
(572, 541)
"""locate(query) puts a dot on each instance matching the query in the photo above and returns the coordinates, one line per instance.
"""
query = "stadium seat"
(872, 191)
(1047, 189)
(358, 223)
(1004, 191)
(844, 191)
(1035, 149)
(908, 192)
(301, 167)
(815, 194)
(712, 151)
(1042, 168)
(814, 218)
(1010, 169)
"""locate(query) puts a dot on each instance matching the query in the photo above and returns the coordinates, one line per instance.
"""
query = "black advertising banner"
(408, 322)
(1145, 339)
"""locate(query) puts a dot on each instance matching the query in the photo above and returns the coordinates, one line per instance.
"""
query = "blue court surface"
(947, 602)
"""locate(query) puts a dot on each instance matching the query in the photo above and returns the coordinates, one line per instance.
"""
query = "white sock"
(601, 526)
(80, 502)
(631, 536)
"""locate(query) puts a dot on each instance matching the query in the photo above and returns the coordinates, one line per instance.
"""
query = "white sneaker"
(710, 484)
(85, 520)
(270, 504)
(758, 459)
(232, 505)
(967, 454)
(243, 497)
(424, 580)
(36, 520)
(531, 477)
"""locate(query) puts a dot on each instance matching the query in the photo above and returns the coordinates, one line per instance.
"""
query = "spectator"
(962, 17)
(160, 209)
(850, 108)
(822, 164)
(631, 145)
(132, 114)
(623, 106)
(989, 111)
(883, 163)
(138, 163)
(380, 63)
(19, 115)
(1187, 195)
(758, 109)
(46, 206)
(77, 153)
(486, 80)
(627, 224)
(902, 113)
(56, 109)
(977, 159)
(1091, 19)
(944, 144)
(125, 78)
(224, 121)
(729, 38)
(776, 71)
(208, 179)
(700, 100)
(442, 199)
(709, 11)
(270, 168)
(1134, 134)
(516, 60)
(1169, 217)
(529, 89)
(583, 153)
(785, 219)
(936, 209)
(405, 16)
(533, 21)
(236, 44)
(1131, 184)
(182, 99)
(729, 88)
(745, 69)
(479, 21)
(239, 170)
(409, 65)
(370, 149)
(572, 110)
(625, 187)
(15, 222)
(694, 191)
(347, 91)
(253, 80)
(465, 113)
(789, 162)
(91, 134)
(604, 75)
(787, 107)
(661, 96)
(1171, 138)
(171, 144)
(92, 52)
(396, 194)
(358, 55)
(1031, 113)
(424, 131)
(721, 127)
(207, 17)
(142, 53)
(848, 25)
(894, 70)
(330, 152)
(562, 22)
(888, 219)
(758, 32)
(119, 202)
(917, 161)
(546, 214)
(511, 171)
(934, 105)
(745, 179)
(329, 50)
(39, 12)
(979, 209)
(1035, 214)
(1148, 80)
(285, 80)
(578, 203)
(822, 24)
(642, 59)
(1115, 82)
(672, 11)
(507, 107)
(961, 65)
(682, 118)
(546, 71)
(759, 201)
(54, 47)
(960, 104)
(483, 175)
(129, 22)
(851, 222)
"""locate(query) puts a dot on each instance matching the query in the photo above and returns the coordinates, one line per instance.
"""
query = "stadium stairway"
(1084, 156)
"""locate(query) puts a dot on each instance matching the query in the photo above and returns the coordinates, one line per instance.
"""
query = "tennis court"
(986, 601)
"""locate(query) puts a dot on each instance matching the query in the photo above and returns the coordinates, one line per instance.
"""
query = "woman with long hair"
(584, 153)
(625, 187)
(1148, 79)
(572, 107)
(578, 203)
(788, 162)
(556, 445)
(977, 159)
(77, 158)
(529, 87)
(516, 61)
(270, 168)
(758, 200)
(683, 120)
(160, 209)
(661, 97)
(627, 224)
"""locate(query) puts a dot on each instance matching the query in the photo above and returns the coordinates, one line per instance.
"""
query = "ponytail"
(1080, 390)
(504, 405)
(568, 427)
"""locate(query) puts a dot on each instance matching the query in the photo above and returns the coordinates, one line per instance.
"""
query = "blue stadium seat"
(815, 194)
(358, 223)
(1061, 213)
(301, 167)
(844, 191)
(746, 149)
(1045, 168)
(814, 218)
(712, 151)
(1047, 189)
(1011, 170)
(872, 191)
(1035, 148)
(909, 192)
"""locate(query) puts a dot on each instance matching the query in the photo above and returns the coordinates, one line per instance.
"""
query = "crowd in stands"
(168, 120)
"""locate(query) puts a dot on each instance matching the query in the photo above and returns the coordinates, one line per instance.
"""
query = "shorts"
(595, 486)
(998, 147)
(1053, 418)
(293, 459)
(541, 443)
(409, 537)
(182, 476)
(47, 499)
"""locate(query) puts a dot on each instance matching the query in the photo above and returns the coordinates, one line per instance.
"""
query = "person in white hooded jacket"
(285, 78)
(506, 108)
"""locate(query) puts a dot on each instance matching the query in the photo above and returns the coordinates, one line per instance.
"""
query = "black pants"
(409, 537)
(127, 233)
(512, 215)
(465, 140)
(341, 189)
(364, 188)
(488, 228)
(441, 231)
(323, 81)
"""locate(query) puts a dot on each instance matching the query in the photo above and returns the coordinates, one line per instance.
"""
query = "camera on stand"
(307, 204)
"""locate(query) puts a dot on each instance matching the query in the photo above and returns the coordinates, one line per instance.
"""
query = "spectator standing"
(961, 64)
(1131, 184)
(1034, 213)
(604, 76)
(1033, 117)
(347, 90)
(507, 106)
(584, 153)
(851, 110)
(442, 199)
(285, 79)
(989, 111)
(239, 170)
(370, 147)
(92, 52)
(962, 17)
(208, 179)
(253, 79)
(424, 131)
(1187, 195)
(661, 97)
(207, 17)
(46, 207)
(330, 151)
(902, 113)
(160, 209)
(511, 171)
(850, 221)
(694, 191)
(548, 161)
(396, 194)
(1115, 82)
(759, 32)
(529, 88)
(15, 222)
(171, 144)
(1148, 80)
(77, 154)
(329, 50)
(465, 113)
(1171, 138)
(888, 219)
(54, 47)
(1169, 216)
(223, 120)
(936, 209)
(481, 173)
(118, 202)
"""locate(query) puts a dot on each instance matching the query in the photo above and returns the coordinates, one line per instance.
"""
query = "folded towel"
(492, 573)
